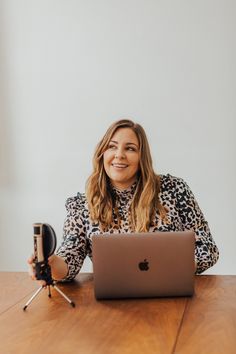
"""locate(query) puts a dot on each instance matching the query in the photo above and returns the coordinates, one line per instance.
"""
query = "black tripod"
(43, 272)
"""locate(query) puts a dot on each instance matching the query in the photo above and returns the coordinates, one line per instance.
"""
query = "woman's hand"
(58, 266)
(32, 272)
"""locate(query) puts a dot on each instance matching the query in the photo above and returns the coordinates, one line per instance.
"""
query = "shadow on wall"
(6, 144)
(7, 156)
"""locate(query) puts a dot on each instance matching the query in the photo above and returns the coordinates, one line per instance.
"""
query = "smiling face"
(121, 159)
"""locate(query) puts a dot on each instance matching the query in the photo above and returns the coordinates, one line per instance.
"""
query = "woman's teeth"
(119, 165)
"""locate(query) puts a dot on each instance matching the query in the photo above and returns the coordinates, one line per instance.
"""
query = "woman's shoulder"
(170, 182)
(77, 202)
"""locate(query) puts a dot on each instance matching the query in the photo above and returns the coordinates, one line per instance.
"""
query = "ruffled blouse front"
(183, 214)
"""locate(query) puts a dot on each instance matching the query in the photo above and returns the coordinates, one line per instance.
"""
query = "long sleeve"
(73, 248)
(206, 251)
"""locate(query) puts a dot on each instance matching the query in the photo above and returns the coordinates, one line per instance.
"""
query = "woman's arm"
(69, 258)
(73, 249)
(59, 268)
(206, 251)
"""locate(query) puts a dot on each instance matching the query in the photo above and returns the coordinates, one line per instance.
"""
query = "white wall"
(70, 68)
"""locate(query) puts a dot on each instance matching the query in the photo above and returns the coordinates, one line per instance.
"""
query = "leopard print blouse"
(183, 214)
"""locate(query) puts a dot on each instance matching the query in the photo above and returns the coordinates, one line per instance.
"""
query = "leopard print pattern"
(183, 214)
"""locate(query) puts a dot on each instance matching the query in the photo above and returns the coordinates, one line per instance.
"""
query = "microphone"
(44, 246)
(45, 242)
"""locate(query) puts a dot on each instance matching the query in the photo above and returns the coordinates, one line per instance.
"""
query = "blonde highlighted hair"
(145, 201)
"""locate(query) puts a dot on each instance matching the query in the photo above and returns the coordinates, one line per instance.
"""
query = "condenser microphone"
(45, 242)
(44, 246)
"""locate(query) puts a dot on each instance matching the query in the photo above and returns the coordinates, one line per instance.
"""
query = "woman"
(124, 195)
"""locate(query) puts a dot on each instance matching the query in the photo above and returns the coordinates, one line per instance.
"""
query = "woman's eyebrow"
(128, 143)
(132, 144)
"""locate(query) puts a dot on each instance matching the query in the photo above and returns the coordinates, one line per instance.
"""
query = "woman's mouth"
(119, 165)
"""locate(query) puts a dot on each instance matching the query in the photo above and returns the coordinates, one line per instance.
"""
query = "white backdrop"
(70, 68)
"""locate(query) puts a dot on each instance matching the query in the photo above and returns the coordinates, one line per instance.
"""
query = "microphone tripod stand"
(43, 272)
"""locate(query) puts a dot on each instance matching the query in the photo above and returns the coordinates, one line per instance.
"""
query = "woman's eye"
(114, 147)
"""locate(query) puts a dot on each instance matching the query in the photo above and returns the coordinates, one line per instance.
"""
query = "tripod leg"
(49, 291)
(62, 294)
(32, 298)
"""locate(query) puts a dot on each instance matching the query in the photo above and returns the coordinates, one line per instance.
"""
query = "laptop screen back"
(143, 264)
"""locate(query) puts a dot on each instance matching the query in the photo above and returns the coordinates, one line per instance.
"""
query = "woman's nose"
(120, 154)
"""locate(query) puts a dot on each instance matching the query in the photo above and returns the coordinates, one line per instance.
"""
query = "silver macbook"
(139, 265)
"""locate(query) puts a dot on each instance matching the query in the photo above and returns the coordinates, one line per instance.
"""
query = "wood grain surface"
(209, 323)
(205, 323)
(14, 287)
(111, 326)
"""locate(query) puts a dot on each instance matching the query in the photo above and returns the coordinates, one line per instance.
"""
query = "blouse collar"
(127, 193)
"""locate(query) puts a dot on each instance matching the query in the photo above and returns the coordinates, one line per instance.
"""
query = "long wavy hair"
(145, 202)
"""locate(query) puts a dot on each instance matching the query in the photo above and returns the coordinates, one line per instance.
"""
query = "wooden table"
(203, 324)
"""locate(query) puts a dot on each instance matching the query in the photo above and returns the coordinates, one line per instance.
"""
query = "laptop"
(137, 265)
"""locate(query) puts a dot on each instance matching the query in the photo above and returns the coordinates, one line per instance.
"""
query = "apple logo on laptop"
(144, 265)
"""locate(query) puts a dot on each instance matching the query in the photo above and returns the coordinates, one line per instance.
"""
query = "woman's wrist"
(59, 268)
